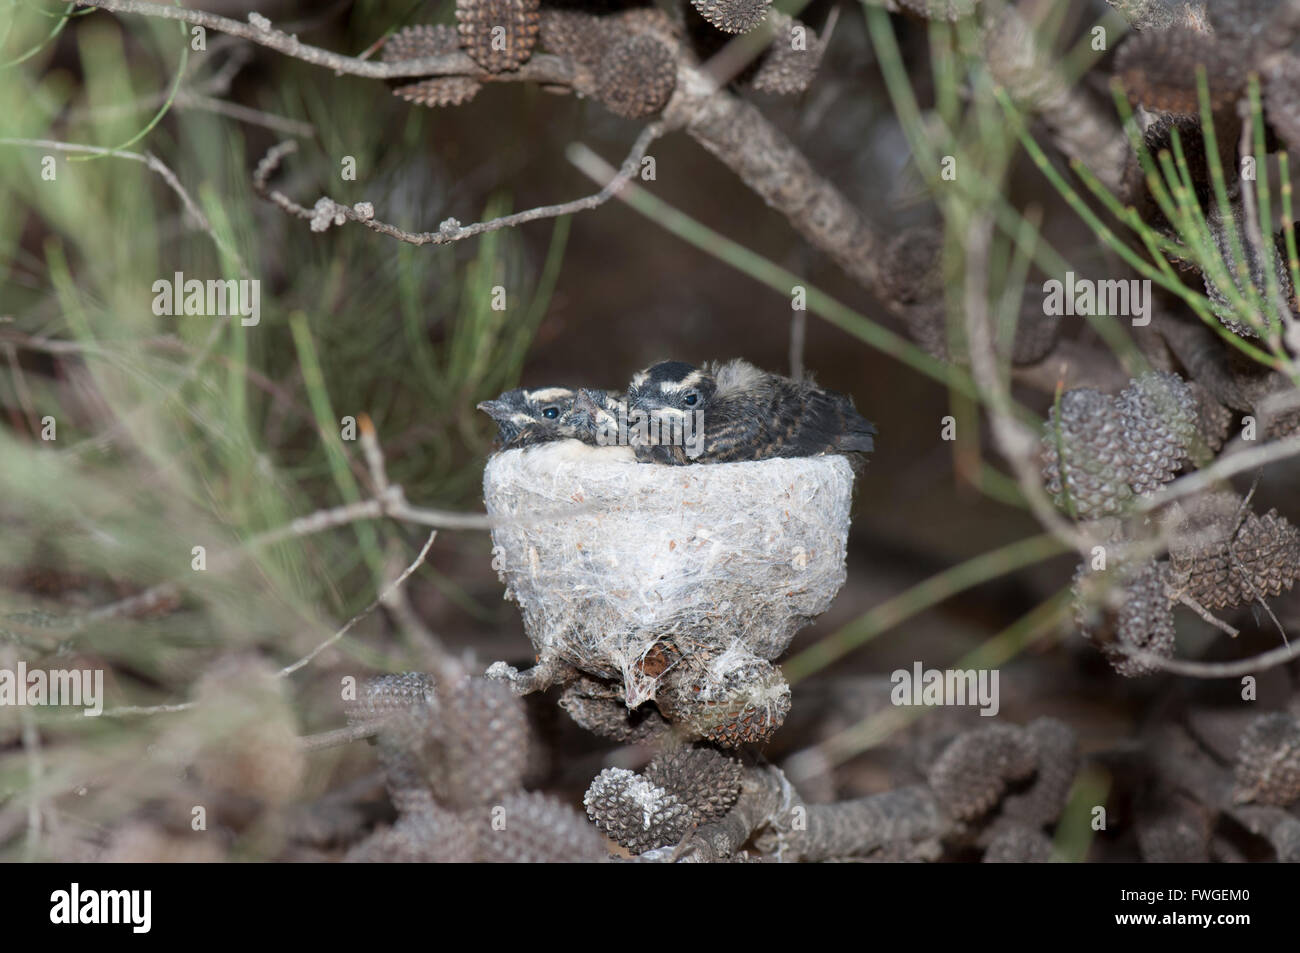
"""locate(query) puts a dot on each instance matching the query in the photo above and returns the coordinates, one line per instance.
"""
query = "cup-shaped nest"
(629, 571)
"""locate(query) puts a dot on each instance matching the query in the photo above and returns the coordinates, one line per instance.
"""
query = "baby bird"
(558, 417)
(526, 418)
(746, 414)
(595, 416)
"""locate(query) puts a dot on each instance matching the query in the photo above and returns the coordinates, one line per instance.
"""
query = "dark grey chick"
(734, 411)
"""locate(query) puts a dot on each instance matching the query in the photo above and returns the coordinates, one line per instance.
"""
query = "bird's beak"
(493, 408)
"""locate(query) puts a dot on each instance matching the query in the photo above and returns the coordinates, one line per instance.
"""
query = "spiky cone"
(636, 813)
(1173, 830)
(1158, 138)
(1213, 421)
(580, 37)
(402, 707)
(1085, 457)
(416, 42)
(1012, 843)
(532, 828)
(912, 270)
(1219, 568)
(440, 91)
(1036, 333)
(746, 705)
(733, 16)
(385, 695)
(654, 20)
(788, 65)
(1246, 21)
(705, 780)
(1158, 69)
(1058, 762)
(1158, 412)
(1272, 256)
(430, 835)
(599, 707)
(484, 742)
(1125, 609)
(1268, 761)
(636, 76)
(498, 35)
(973, 772)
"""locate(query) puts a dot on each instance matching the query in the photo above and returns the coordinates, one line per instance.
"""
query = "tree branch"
(551, 70)
(327, 212)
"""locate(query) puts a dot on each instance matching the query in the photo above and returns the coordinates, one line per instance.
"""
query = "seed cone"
(1013, 843)
(440, 91)
(746, 704)
(972, 773)
(705, 780)
(599, 707)
(498, 35)
(533, 828)
(635, 812)
(788, 66)
(1158, 69)
(576, 35)
(414, 42)
(733, 16)
(1138, 616)
(1085, 457)
(1268, 761)
(636, 76)
(1158, 412)
(1058, 762)
(1220, 568)
(1271, 257)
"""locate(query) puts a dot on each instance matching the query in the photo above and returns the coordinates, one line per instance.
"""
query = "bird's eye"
(691, 399)
(550, 413)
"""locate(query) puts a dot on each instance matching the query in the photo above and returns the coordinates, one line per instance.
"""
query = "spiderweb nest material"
(629, 571)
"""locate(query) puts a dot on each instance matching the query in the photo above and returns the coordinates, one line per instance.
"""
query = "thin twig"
(1016, 444)
(146, 710)
(1248, 666)
(1205, 614)
(1237, 566)
(327, 212)
(1222, 468)
(419, 561)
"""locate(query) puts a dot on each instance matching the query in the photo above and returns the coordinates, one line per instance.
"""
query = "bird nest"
(626, 571)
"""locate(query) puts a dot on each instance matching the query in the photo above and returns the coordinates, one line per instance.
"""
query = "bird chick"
(529, 417)
(723, 413)
(595, 415)
(554, 416)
